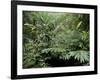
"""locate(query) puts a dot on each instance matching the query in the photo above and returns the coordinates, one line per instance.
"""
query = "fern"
(81, 56)
(56, 50)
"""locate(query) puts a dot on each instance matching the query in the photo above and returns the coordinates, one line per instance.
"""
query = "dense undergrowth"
(55, 39)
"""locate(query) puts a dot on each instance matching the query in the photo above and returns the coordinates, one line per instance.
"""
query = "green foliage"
(48, 35)
(82, 56)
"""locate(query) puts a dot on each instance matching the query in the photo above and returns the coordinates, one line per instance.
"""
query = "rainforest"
(55, 39)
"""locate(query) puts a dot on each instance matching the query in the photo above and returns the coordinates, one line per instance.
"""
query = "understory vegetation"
(53, 39)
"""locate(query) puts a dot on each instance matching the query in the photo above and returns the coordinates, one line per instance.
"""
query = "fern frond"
(82, 56)
(54, 50)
